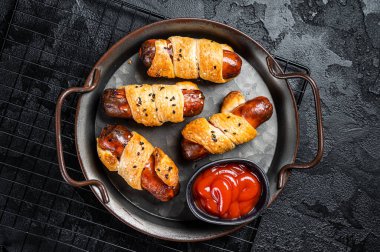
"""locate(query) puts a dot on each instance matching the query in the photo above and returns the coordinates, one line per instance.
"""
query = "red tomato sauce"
(227, 191)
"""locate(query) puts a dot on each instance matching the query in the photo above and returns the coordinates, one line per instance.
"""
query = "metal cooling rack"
(46, 47)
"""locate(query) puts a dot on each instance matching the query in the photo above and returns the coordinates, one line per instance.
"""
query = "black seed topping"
(166, 97)
(166, 176)
(170, 168)
(158, 169)
(180, 49)
(150, 94)
(234, 133)
(144, 109)
(138, 153)
(134, 166)
(156, 109)
(239, 124)
(180, 55)
(228, 117)
(142, 148)
(214, 138)
(173, 105)
(178, 59)
(139, 102)
(146, 114)
(225, 130)
(161, 88)
(214, 67)
(136, 86)
(153, 95)
(141, 143)
(212, 131)
(173, 111)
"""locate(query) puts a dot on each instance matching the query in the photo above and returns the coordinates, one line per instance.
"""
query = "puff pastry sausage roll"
(236, 124)
(140, 164)
(190, 58)
(153, 105)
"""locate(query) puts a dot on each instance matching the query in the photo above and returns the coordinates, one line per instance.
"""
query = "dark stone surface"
(335, 206)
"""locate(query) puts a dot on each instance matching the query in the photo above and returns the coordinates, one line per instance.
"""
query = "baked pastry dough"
(192, 58)
(213, 139)
(231, 101)
(165, 168)
(132, 162)
(108, 159)
(185, 60)
(162, 63)
(223, 131)
(234, 127)
(135, 156)
(153, 105)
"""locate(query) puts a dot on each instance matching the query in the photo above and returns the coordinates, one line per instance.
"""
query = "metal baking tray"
(274, 149)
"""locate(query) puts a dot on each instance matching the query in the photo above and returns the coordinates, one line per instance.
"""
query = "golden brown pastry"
(140, 164)
(153, 105)
(190, 58)
(162, 63)
(223, 131)
(231, 101)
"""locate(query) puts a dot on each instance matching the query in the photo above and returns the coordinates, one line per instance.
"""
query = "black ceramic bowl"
(260, 206)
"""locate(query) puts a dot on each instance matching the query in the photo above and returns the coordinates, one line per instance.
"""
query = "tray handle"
(283, 175)
(93, 83)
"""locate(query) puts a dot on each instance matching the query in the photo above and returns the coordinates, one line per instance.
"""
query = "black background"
(333, 207)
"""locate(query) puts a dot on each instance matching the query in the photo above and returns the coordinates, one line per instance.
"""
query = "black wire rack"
(46, 47)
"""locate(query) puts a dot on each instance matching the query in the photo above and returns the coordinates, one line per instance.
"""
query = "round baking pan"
(274, 149)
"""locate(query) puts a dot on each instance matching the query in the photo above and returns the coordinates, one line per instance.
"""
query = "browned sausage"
(114, 138)
(255, 111)
(231, 64)
(192, 151)
(116, 105)
(193, 102)
(231, 61)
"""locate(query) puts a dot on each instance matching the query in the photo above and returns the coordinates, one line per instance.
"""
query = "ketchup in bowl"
(227, 191)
